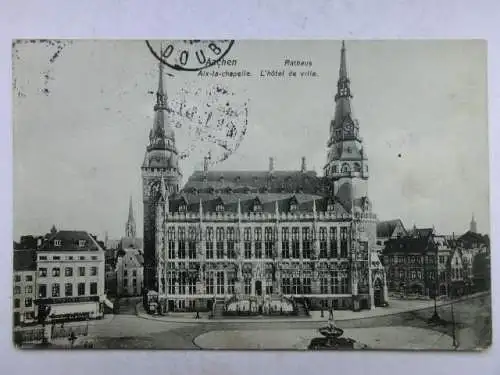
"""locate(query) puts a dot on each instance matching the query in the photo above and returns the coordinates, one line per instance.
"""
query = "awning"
(108, 303)
(75, 308)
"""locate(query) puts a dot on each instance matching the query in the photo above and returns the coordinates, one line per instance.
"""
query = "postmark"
(189, 55)
(210, 120)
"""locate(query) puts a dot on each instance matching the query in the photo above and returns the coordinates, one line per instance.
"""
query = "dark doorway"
(378, 298)
(171, 305)
(210, 304)
(17, 319)
(258, 288)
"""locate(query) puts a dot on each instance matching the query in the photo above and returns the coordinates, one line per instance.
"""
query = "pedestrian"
(330, 314)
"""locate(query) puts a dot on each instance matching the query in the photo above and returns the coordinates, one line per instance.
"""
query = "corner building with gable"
(262, 236)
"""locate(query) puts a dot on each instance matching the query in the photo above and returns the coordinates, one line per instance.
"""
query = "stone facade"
(264, 234)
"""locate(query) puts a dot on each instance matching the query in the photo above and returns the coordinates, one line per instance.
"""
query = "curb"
(284, 320)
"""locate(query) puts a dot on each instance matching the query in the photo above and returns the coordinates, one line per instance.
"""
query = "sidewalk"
(396, 306)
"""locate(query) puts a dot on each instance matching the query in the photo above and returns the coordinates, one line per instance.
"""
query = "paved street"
(129, 331)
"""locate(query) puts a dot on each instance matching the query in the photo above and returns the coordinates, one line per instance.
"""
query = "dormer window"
(57, 243)
(293, 207)
(219, 207)
(82, 243)
(257, 207)
(330, 206)
(182, 208)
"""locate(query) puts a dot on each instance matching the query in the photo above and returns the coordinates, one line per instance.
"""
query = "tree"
(481, 271)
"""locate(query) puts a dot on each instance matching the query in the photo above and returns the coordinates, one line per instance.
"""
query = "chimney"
(271, 165)
(303, 168)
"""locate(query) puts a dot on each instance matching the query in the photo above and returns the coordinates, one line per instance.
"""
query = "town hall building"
(262, 236)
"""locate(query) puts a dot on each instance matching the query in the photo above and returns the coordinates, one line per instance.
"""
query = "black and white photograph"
(303, 195)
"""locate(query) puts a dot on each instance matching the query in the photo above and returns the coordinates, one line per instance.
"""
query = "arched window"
(357, 167)
(335, 169)
(345, 168)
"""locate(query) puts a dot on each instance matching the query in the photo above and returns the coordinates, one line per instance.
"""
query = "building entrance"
(377, 293)
(258, 287)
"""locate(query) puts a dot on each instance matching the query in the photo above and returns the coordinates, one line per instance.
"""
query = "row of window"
(134, 283)
(28, 289)
(81, 243)
(69, 257)
(293, 249)
(68, 290)
(346, 168)
(417, 259)
(68, 271)
(28, 302)
(215, 283)
(412, 274)
(125, 273)
(192, 233)
(459, 273)
(17, 278)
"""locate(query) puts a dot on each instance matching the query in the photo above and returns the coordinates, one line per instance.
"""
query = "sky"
(82, 119)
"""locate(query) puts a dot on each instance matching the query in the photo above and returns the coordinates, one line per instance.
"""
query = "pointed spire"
(201, 208)
(130, 211)
(160, 96)
(130, 226)
(239, 207)
(314, 207)
(343, 83)
(473, 225)
(276, 208)
(343, 65)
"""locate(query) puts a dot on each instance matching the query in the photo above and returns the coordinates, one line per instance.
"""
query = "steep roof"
(127, 242)
(386, 228)
(408, 245)
(257, 181)
(24, 260)
(268, 201)
(131, 258)
(70, 241)
(470, 236)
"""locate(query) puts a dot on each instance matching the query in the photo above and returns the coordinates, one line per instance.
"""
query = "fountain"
(332, 339)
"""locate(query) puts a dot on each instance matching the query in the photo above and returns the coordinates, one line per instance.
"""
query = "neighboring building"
(262, 234)
(129, 272)
(475, 242)
(454, 265)
(129, 260)
(410, 263)
(387, 230)
(24, 287)
(445, 249)
(70, 271)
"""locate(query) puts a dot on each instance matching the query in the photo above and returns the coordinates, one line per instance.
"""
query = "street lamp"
(454, 335)
(435, 317)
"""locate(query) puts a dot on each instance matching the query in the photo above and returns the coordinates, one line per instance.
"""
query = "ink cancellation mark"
(189, 55)
(210, 121)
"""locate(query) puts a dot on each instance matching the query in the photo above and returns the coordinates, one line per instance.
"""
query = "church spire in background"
(130, 226)
(473, 224)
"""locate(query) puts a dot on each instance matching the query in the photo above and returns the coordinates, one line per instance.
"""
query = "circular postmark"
(210, 121)
(189, 55)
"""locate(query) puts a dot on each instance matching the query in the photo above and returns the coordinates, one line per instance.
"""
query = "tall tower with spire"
(160, 162)
(473, 225)
(130, 225)
(347, 163)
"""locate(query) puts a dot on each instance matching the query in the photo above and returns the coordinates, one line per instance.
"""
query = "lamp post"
(435, 317)
(454, 335)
